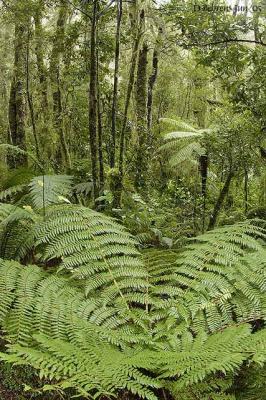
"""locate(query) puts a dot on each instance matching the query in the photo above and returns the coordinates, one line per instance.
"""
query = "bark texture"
(141, 117)
(118, 177)
(152, 80)
(39, 51)
(115, 89)
(93, 103)
(30, 100)
(220, 200)
(16, 114)
(62, 156)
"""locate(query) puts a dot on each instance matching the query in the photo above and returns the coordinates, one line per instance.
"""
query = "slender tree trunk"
(189, 101)
(100, 146)
(99, 120)
(255, 21)
(58, 48)
(12, 119)
(186, 99)
(17, 98)
(246, 190)
(220, 200)
(152, 80)
(29, 99)
(42, 72)
(141, 117)
(115, 89)
(93, 103)
(117, 184)
(203, 166)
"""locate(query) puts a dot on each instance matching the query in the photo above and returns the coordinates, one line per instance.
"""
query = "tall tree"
(55, 77)
(29, 96)
(39, 51)
(93, 102)
(220, 200)
(152, 80)
(119, 11)
(17, 97)
(138, 27)
(99, 117)
(141, 116)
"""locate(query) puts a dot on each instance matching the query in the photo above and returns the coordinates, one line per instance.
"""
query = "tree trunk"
(93, 103)
(141, 116)
(42, 72)
(220, 200)
(100, 146)
(255, 21)
(246, 189)
(58, 48)
(99, 120)
(152, 80)
(203, 166)
(115, 89)
(118, 178)
(29, 99)
(17, 98)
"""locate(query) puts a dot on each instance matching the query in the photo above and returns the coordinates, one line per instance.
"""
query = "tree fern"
(16, 221)
(37, 191)
(182, 145)
(93, 247)
(16, 236)
(49, 189)
(213, 282)
(103, 318)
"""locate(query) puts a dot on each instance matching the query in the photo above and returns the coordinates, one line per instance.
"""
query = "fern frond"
(93, 247)
(109, 319)
(187, 153)
(10, 192)
(218, 279)
(50, 189)
(16, 236)
(169, 123)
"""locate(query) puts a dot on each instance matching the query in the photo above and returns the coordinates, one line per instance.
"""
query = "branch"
(85, 13)
(79, 9)
(223, 42)
(106, 8)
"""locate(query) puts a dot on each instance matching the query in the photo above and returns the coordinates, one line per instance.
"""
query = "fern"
(49, 189)
(11, 192)
(16, 221)
(93, 247)
(37, 191)
(104, 318)
(16, 236)
(181, 144)
(177, 124)
(213, 282)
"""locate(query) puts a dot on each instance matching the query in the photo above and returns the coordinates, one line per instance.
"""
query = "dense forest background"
(143, 117)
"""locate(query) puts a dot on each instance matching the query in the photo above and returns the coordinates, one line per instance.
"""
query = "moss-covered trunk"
(93, 103)
(17, 111)
(141, 117)
(62, 154)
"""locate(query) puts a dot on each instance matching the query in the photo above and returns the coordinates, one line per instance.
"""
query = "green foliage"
(49, 189)
(15, 230)
(93, 247)
(39, 191)
(108, 319)
(181, 145)
(162, 312)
